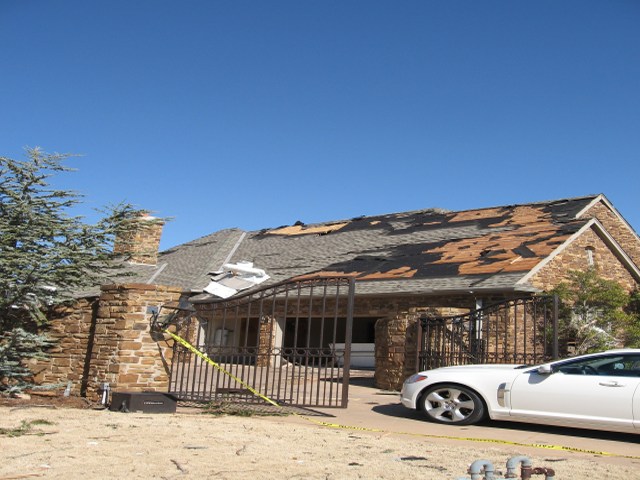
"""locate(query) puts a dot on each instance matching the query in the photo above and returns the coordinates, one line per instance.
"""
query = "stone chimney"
(140, 240)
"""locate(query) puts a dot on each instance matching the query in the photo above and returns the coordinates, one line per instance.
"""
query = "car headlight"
(416, 377)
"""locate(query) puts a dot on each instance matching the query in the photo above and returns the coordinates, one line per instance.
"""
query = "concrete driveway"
(374, 409)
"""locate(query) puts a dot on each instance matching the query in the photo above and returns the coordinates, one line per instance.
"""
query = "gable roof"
(422, 251)
(605, 236)
(419, 252)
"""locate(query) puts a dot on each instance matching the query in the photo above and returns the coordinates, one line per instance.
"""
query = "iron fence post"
(419, 344)
(555, 327)
(347, 342)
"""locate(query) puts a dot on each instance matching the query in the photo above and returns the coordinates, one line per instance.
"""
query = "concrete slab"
(380, 411)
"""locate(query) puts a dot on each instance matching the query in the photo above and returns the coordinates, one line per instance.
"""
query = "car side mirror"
(545, 369)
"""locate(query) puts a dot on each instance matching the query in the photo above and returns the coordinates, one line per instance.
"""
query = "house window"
(590, 257)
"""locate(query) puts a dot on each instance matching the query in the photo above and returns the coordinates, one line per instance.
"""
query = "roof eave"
(526, 288)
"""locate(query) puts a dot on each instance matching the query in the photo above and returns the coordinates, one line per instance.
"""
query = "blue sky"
(256, 114)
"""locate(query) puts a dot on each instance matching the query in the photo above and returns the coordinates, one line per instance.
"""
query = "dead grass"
(25, 428)
(244, 410)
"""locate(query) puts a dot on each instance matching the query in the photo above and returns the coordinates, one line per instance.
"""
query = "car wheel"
(453, 404)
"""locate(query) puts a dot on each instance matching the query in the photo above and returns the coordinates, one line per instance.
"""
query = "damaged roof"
(411, 252)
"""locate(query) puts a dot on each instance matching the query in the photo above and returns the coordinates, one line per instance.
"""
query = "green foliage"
(632, 333)
(46, 254)
(594, 314)
(17, 347)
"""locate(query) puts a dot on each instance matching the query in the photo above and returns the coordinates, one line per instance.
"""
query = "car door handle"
(611, 384)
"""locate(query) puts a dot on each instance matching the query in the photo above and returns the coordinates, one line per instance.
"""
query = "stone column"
(266, 340)
(124, 353)
(391, 354)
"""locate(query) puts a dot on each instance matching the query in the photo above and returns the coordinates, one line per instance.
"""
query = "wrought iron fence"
(281, 340)
(518, 331)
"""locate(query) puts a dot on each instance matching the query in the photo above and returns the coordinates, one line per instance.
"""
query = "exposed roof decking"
(427, 246)
(403, 253)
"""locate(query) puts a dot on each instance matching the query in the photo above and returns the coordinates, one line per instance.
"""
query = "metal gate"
(281, 341)
(515, 331)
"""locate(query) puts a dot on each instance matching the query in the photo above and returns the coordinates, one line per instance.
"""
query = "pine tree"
(46, 254)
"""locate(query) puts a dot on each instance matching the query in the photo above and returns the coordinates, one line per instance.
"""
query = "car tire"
(452, 404)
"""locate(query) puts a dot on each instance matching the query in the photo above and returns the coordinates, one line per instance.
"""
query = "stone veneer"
(108, 339)
(141, 243)
(127, 355)
(72, 327)
(574, 257)
(396, 346)
(390, 351)
(619, 230)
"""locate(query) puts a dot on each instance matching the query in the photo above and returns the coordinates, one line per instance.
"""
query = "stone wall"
(266, 340)
(575, 257)
(389, 352)
(108, 339)
(388, 306)
(72, 328)
(623, 234)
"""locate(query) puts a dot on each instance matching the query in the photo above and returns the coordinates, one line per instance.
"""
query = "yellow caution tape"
(206, 358)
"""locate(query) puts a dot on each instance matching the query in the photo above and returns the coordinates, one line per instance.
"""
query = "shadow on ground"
(398, 411)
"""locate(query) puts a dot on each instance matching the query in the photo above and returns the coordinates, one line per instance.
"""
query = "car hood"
(470, 368)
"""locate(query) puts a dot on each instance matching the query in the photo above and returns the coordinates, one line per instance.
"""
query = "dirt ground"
(41, 438)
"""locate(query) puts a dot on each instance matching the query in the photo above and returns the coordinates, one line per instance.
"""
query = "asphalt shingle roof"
(408, 252)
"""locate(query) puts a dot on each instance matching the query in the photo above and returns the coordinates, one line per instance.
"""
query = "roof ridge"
(431, 210)
(190, 242)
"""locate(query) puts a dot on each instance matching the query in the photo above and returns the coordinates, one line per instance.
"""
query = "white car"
(598, 391)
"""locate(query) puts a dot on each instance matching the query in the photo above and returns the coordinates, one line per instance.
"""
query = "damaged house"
(278, 301)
